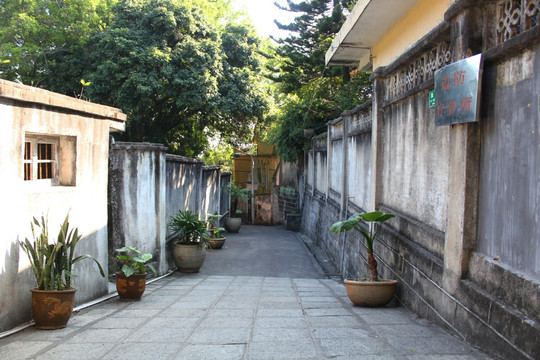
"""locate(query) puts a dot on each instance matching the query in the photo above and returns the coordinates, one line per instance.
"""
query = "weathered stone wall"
(464, 243)
(137, 201)
(82, 130)
(211, 190)
(147, 187)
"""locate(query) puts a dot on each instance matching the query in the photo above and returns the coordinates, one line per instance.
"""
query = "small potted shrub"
(234, 221)
(131, 281)
(371, 291)
(54, 297)
(215, 237)
(189, 249)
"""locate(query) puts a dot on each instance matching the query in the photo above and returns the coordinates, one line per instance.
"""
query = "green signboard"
(432, 98)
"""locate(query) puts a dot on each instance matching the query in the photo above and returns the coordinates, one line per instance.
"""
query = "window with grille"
(40, 159)
(50, 159)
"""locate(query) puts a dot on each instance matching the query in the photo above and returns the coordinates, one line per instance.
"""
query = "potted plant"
(131, 281)
(54, 297)
(372, 291)
(234, 221)
(189, 249)
(215, 234)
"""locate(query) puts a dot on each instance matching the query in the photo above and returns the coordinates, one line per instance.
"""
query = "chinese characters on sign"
(457, 88)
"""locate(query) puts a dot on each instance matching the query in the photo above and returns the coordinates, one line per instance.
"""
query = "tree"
(312, 107)
(311, 34)
(180, 75)
(32, 32)
(312, 95)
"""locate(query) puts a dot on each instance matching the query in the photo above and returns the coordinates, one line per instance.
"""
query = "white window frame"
(34, 141)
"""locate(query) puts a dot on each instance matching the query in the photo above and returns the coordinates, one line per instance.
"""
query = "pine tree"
(312, 32)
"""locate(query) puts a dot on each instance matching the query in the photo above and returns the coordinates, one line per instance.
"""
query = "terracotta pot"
(370, 293)
(233, 224)
(189, 258)
(216, 243)
(52, 309)
(130, 288)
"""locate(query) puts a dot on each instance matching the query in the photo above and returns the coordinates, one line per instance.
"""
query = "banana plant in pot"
(372, 291)
(51, 262)
(189, 249)
(234, 221)
(131, 281)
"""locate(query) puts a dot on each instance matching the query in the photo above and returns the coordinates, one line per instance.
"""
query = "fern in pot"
(52, 262)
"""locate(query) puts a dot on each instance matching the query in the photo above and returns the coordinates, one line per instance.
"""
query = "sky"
(263, 13)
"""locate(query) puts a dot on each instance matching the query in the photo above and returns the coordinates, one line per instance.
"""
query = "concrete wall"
(184, 179)
(464, 243)
(147, 187)
(85, 128)
(509, 220)
(137, 213)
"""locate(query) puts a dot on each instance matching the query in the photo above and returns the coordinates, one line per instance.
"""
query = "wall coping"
(124, 145)
(183, 159)
(29, 94)
(211, 168)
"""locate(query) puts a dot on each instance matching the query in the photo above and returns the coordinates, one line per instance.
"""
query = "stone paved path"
(261, 297)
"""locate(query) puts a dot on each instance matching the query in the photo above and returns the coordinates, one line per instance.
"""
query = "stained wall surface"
(82, 133)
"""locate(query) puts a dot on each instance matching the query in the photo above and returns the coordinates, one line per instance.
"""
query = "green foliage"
(219, 154)
(311, 34)
(374, 219)
(237, 193)
(312, 94)
(134, 263)
(179, 73)
(52, 262)
(314, 105)
(34, 32)
(215, 232)
(188, 227)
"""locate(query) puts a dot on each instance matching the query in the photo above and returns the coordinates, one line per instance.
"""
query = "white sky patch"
(263, 13)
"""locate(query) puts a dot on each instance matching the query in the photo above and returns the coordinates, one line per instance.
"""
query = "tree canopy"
(311, 94)
(182, 70)
(33, 31)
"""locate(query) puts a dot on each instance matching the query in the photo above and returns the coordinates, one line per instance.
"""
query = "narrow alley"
(263, 296)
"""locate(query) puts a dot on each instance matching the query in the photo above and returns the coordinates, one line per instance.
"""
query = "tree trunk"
(373, 275)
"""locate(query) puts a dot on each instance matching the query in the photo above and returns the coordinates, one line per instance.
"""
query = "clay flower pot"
(370, 293)
(52, 309)
(130, 288)
(216, 243)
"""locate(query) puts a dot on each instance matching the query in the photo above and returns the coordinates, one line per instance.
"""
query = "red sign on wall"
(457, 90)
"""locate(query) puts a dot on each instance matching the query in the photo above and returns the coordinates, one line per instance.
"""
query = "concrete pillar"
(344, 183)
(376, 139)
(460, 240)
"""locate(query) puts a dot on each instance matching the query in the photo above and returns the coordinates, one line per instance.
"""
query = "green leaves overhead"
(177, 74)
(33, 32)
(313, 94)
(180, 69)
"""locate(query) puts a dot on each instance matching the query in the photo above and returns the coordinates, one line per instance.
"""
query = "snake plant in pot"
(51, 262)
(189, 249)
(372, 291)
(131, 281)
